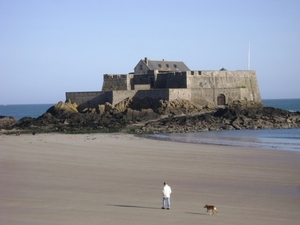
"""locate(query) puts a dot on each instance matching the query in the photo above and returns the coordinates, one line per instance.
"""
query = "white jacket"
(166, 191)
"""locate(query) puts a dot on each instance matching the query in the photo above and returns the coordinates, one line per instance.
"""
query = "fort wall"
(81, 97)
(243, 83)
(219, 79)
(180, 93)
(176, 80)
(119, 96)
(89, 99)
(112, 82)
(154, 94)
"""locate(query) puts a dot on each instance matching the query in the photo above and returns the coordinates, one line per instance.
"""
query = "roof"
(164, 65)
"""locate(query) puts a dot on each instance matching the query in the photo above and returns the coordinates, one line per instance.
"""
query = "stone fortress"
(171, 80)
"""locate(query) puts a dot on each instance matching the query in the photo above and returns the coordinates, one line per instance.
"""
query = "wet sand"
(118, 178)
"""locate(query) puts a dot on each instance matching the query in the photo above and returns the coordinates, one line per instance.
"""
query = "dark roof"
(164, 65)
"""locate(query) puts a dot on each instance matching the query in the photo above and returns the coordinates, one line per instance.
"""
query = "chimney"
(146, 61)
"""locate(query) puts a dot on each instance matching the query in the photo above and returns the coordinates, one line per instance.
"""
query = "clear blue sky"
(49, 47)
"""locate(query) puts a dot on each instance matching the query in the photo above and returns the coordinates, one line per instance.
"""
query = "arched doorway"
(221, 99)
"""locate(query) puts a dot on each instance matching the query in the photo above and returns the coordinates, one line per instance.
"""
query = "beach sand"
(118, 178)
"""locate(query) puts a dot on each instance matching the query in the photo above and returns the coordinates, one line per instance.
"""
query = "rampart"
(241, 84)
(89, 99)
(113, 82)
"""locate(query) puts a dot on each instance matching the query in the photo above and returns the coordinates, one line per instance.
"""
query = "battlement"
(221, 72)
(114, 82)
(114, 76)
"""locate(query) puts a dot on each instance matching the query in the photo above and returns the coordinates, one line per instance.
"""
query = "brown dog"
(211, 209)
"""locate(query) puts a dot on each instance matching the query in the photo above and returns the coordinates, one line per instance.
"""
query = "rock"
(47, 115)
(123, 105)
(101, 109)
(141, 115)
(63, 110)
(239, 116)
(7, 122)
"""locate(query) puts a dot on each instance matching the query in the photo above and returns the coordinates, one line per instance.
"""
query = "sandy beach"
(118, 178)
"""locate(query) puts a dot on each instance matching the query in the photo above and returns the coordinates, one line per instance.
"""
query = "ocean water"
(280, 139)
(286, 104)
(20, 111)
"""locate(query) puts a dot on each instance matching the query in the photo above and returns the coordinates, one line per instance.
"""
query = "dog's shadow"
(196, 213)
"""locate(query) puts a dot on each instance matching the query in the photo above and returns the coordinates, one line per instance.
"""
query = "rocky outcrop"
(7, 121)
(156, 117)
(62, 109)
(234, 117)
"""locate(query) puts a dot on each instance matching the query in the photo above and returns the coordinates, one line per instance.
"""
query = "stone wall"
(120, 95)
(179, 93)
(142, 87)
(245, 81)
(177, 80)
(81, 97)
(219, 79)
(155, 94)
(142, 79)
(112, 82)
(89, 99)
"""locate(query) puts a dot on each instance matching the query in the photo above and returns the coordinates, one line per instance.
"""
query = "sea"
(281, 139)
(27, 110)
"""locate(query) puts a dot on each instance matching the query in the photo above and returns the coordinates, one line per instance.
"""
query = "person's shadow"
(133, 206)
(146, 207)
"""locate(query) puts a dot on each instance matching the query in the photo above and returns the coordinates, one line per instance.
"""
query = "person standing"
(166, 192)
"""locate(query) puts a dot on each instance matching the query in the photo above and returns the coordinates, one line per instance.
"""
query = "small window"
(159, 65)
(141, 67)
(175, 66)
(167, 65)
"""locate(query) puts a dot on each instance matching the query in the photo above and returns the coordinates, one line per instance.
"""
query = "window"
(167, 65)
(141, 67)
(175, 66)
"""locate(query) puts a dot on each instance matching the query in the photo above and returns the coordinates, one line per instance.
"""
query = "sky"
(49, 47)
